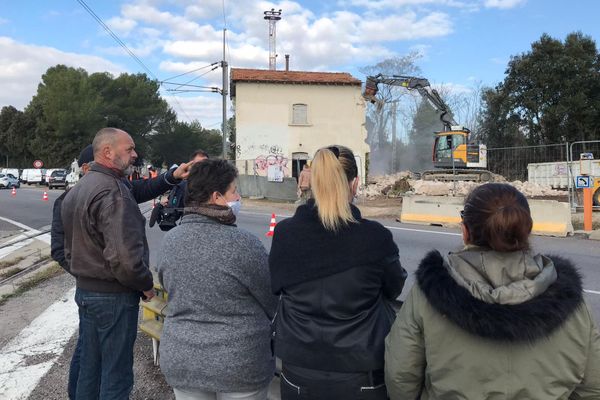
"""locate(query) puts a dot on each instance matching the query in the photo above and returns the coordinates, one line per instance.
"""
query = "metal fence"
(512, 162)
(575, 150)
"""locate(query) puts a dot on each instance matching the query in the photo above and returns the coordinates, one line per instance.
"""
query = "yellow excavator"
(456, 157)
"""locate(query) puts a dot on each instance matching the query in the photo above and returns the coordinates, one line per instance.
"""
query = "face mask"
(235, 206)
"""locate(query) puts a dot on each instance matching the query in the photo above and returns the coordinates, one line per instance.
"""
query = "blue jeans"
(74, 369)
(107, 332)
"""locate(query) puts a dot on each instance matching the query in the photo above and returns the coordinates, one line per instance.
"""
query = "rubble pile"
(392, 185)
(396, 185)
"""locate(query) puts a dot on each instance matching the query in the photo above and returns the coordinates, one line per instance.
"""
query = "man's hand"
(149, 294)
(183, 171)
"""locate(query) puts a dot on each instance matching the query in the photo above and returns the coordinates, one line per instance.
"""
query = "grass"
(10, 263)
(36, 279)
(9, 273)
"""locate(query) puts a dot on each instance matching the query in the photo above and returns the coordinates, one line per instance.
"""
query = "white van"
(33, 175)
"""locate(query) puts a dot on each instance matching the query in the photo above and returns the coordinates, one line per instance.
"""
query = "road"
(414, 241)
(28, 311)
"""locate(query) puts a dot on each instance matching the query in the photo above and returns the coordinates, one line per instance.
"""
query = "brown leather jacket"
(105, 236)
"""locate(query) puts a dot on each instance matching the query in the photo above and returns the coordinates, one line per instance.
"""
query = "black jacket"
(334, 288)
(142, 189)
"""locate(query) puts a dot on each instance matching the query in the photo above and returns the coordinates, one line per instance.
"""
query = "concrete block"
(431, 210)
(550, 217)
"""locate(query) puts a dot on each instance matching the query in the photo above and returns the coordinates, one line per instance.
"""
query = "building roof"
(291, 77)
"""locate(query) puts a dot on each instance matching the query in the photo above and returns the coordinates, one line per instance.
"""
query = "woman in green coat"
(495, 320)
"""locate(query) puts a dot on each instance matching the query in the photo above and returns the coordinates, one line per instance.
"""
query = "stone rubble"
(395, 185)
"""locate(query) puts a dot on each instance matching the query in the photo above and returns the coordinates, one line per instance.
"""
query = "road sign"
(583, 182)
(38, 164)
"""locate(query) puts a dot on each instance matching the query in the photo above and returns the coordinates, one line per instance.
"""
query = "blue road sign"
(583, 182)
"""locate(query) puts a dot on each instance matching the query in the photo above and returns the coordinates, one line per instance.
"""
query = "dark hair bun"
(497, 216)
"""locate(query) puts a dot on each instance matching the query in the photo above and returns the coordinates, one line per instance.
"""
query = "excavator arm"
(411, 83)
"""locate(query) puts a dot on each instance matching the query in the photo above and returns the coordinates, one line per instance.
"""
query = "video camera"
(166, 217)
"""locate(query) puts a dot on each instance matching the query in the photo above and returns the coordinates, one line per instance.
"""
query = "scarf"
(222, 214)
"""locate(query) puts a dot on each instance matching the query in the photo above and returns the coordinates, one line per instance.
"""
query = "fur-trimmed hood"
(526, 321)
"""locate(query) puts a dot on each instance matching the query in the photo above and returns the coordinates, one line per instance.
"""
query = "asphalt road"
(414, 241)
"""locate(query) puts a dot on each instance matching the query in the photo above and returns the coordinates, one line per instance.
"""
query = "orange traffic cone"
(271, 226)
(13, 193)
(45, 196)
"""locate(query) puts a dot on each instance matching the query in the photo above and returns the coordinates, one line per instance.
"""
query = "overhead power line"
(131, 53)
(114, 36)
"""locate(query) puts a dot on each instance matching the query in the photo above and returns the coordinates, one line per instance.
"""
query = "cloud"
(121, 25)
(397, 4)
(3, 21)
(206, 109)
(503, 4)
(22, 66)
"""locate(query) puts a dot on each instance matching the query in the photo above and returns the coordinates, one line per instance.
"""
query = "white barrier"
(550, 217)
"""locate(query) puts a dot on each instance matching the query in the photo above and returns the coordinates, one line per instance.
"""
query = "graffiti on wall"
(265, 165)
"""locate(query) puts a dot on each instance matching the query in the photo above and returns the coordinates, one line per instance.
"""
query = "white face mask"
(235, 206)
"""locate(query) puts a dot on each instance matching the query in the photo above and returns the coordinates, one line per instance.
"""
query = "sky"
(461, 43)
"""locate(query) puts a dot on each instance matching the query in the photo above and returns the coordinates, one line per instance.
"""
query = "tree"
(378, 118)
(232, 143)
(417, 155)
(174, 145)
(550, 94)
(16, 131)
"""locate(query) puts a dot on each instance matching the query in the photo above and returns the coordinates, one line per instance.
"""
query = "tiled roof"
(293, 77)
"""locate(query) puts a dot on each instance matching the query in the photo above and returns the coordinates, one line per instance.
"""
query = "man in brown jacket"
(106, 248)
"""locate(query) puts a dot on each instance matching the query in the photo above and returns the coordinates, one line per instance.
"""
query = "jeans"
(107, 331)
(260, 394)
(74, 369)
(304, 383)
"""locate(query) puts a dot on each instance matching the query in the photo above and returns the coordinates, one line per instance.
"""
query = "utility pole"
(272, 16)
(224, 93)
(394, 107)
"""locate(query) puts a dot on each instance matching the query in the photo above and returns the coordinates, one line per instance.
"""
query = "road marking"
(31, 354)
(387, 226)
(423, 231)
(18, 241)
(591, 291)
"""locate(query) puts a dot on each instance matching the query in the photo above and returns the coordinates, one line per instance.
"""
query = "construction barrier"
(153, 317)
(550, 217)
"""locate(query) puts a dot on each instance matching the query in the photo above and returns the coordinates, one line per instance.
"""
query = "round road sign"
(38, 164)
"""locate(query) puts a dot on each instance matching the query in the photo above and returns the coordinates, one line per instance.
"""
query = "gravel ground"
(149, 383)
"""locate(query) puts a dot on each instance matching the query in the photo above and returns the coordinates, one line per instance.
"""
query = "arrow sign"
(583, 182)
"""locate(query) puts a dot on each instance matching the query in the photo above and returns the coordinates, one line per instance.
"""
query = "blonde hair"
(330, 177)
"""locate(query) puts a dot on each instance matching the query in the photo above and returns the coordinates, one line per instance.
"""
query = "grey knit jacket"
(217, 333)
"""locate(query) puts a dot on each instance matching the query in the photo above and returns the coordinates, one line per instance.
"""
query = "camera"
(166, 217)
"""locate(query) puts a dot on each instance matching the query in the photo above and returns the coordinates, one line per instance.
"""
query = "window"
(299, 114)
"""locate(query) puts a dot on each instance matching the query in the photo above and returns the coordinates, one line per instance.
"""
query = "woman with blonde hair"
(335, 273)
(494, 320)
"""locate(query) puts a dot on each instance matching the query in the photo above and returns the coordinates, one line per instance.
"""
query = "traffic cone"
(13, 193)
(45, 196)
(271, 226)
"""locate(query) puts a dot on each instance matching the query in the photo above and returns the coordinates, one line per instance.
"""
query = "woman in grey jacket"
(216, 337)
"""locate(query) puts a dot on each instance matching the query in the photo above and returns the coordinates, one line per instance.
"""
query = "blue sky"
(462, 42)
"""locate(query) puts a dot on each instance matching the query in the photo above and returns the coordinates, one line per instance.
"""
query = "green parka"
(483, 325)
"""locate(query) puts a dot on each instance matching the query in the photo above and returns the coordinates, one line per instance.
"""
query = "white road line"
(20, 241)
(591, 291)
(16, 223)
(31, 354)
(387, 226)
(422, 230)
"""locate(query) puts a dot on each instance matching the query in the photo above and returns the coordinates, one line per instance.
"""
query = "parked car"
(9, 181)
(58, 178)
